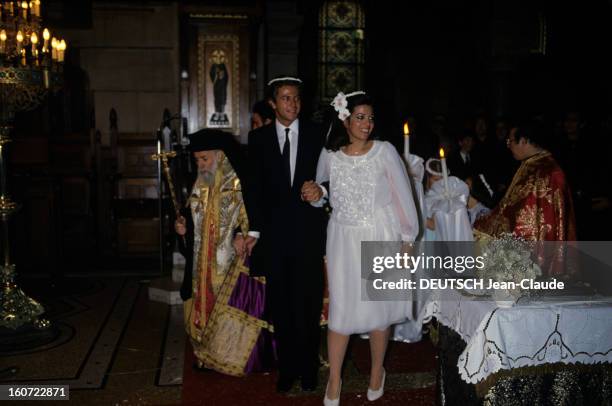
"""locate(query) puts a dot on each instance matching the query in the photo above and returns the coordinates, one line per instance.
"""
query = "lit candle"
(61, 48)
(34, 41)
(406, 141)
(19, 41)
(444, 170)
(46, 36)
(54, 49)
(2, 41)
(24, 9)
(35, 6)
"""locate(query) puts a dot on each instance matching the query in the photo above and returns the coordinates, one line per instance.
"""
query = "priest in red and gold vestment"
(538, 204)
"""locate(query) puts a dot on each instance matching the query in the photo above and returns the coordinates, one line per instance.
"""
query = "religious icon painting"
(218, 80)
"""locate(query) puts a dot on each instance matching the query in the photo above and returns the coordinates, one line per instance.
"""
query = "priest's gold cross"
(163, 157)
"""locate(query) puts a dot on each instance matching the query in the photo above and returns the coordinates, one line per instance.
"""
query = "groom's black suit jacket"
(290, 249)
(287, 224)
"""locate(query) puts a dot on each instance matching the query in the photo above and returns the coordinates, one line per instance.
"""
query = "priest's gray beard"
(206, 177)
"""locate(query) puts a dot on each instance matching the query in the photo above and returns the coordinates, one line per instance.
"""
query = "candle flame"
(34, 38)
(19, 36)
(441, 153)
(46, 34)
(2, 35)
(406, 129)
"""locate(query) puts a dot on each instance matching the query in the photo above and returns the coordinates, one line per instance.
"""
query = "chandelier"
(30, 57)
(31, 61)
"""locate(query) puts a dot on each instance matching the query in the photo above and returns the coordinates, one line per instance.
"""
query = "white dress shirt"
(294, 134)
(293, 140)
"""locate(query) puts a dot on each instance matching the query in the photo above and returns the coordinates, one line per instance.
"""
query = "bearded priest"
(227, 331)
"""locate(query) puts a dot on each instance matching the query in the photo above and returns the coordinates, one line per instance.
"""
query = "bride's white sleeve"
(323, 167)
(401, 194)
(322, 176)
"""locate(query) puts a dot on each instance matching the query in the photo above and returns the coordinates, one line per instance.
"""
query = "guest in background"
(461, 161)
(501, 130)
(586, 174)
(484, 150)
(440, 133)
(262, 114)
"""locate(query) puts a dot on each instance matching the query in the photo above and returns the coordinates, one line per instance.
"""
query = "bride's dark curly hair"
(337, 136)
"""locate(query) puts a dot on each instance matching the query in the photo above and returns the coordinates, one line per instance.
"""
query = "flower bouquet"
(508, 264)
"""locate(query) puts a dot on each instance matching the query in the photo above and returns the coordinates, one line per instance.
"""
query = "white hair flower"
(340, 104)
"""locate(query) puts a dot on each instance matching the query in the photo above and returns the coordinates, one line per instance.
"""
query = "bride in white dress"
(370, 194)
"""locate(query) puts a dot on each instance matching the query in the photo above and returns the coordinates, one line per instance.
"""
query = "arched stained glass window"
(341, 59)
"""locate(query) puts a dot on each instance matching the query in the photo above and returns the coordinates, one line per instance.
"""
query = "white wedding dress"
(372, 201)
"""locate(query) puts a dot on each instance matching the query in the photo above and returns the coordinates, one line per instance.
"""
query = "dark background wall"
(500, 57)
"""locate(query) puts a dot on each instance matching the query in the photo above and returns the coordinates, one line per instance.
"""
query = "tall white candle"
(406, 141)
(444, 170)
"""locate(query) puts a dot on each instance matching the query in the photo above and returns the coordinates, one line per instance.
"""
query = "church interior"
(91, 269)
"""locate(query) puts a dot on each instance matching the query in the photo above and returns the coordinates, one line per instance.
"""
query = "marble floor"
(112, 345)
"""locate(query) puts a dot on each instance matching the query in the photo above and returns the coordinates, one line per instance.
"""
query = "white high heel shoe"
(332, 402)
(372, 395)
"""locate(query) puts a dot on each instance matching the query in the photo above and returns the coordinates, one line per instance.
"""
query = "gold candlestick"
(163, 157)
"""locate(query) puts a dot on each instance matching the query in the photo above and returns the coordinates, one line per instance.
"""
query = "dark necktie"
(286, 155)
(467, 159)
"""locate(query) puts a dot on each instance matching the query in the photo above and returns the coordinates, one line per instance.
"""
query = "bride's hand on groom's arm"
(311, 192)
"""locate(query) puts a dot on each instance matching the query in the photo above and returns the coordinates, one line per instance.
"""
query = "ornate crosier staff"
(163, 157)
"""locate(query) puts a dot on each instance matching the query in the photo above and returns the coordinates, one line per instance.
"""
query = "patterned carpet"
(410, 381)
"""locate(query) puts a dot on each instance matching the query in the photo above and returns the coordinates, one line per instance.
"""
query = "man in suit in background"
(461, 162)
(283, 156)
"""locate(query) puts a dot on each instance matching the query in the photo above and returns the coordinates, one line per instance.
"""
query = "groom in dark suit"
(283, 156)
